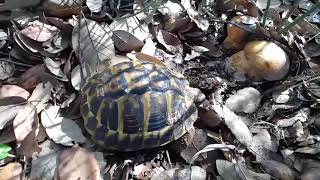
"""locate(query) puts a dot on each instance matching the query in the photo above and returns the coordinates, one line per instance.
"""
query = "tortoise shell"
(136, 105)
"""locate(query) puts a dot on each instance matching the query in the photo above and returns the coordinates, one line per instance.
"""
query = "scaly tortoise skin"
(137, 105)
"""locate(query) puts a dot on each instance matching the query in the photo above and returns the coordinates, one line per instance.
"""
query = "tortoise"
(138, 105)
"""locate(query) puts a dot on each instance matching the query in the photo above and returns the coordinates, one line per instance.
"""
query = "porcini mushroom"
(236, 36)
(260, 60)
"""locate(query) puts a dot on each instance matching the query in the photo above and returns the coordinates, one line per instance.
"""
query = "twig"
(266, 13)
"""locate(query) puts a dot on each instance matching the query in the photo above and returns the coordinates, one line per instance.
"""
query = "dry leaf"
(62, 7)
(11, 171)
(96, 43)
(32, 77)
(170, 41)
(78, 77)
(29, 145)
(125, 41)
(9, 108)
(39, 31)
(44, 167)
(131, 25)
(278, 170)
(262, 4)
(7, 135)
(262, 145)
(310, 174)
(23, 122)
(201, 22)
(6, 69)
(40, 96)
(236, 125)
(17, 4)
(13, 90)
(77, 163)
(54, 67)
(60, 129)
(94, 5)
(149, 47)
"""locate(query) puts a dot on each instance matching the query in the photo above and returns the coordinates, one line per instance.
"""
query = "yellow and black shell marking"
(136, 105)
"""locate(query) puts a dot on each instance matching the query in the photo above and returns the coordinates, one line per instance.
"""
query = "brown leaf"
(23, 122)
(125, 41)
(170, 41)
(7, 135)
(13, 90)
(208, 118)
(39, 31)
(278, 170)
(6, 69)
(29, 146)
(40, 96)
(61, 8)
(35, 75)
(201, 22)
(77, 163)
(9, 108)
(59, 23)
(11, 171)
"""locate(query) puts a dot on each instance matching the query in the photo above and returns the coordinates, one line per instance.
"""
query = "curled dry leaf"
(60, 129)
(77, 163)
(55, 45)
(201, 22)
(196, 51)
(170, 41)
(6, 69)
(244, 100)
(39, 31)
(54, 67)
(302, 116)
(40, 96)
(11, 171)
(96, 43)
(198, 141)
(78, 77)
(125, 41)
(263, 144)
(13, 90)
(172, 19)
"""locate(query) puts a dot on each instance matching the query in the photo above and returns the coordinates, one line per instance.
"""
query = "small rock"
(245, 100)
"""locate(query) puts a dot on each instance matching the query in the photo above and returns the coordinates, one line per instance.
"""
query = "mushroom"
(236, 36)
(260, 60)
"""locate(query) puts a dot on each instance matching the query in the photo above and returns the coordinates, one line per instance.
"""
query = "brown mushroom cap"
(269, 59)
(261, 60)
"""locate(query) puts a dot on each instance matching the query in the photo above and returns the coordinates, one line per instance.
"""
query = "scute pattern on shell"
(134, 105)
